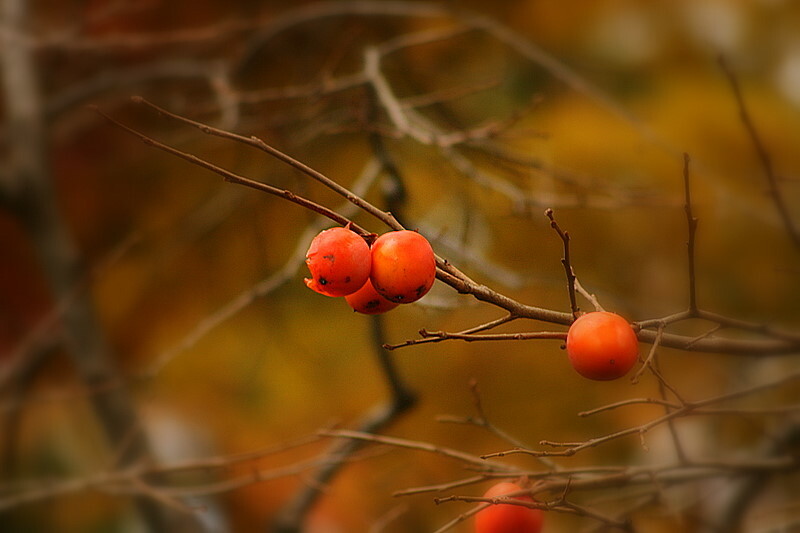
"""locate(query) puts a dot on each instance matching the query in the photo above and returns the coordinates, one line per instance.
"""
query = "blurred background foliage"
(169, 244)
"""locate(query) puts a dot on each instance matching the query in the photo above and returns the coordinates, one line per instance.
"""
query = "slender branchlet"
(690, 243)
(573, 302)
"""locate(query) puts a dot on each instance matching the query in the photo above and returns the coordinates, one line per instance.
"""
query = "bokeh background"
(165, 246)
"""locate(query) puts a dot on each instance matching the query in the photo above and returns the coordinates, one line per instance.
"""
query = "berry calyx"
(403, 266)
(602, 346)
(339, 261)
(508, 518)
(366, 300)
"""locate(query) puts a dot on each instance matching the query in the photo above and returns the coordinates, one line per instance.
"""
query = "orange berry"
(367, 300)
(602, 346)
(339, 262)
(403, 266)
(506, 518)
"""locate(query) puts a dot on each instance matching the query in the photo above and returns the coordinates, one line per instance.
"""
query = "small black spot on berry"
(323, 281)
(347, 279)
(420, 290)
(329, 257)
(372, 304)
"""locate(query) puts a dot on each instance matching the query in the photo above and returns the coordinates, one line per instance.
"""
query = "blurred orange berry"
(508, 518)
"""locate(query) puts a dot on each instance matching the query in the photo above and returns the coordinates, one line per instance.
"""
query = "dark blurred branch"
(107, 81)
(761, 152)
(14, 385)
(747, 490)
(690, 244)
(293, 515)
(393, 191)
(28, 192)
(291, 519)
(402, 397)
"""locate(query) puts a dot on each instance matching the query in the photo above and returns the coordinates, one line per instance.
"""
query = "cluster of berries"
(399, 268)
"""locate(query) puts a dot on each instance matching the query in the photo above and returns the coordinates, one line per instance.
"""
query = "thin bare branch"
(589, 296)
(441, 486)
(630, 401)
(477, 329)
(469, 459)
(443, 335)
